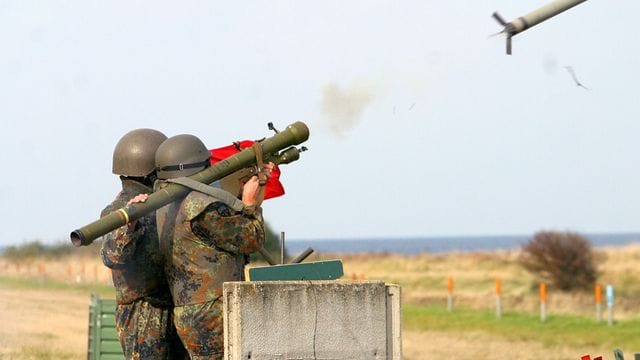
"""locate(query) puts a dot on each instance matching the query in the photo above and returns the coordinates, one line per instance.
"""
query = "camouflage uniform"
(143, 310)
(205, 244)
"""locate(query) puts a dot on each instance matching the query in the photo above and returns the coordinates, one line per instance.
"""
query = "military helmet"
(134, 154)
(181, 155)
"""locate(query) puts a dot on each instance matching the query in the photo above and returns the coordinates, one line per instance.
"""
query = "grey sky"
(443, 133)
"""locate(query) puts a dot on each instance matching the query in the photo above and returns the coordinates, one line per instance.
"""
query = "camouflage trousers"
(200, 329)
(147, 332)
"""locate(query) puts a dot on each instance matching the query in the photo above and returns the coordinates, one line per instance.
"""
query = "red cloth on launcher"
(273, 188)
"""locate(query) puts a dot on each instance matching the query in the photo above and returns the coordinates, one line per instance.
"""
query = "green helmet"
(181, 155)
(134, 154)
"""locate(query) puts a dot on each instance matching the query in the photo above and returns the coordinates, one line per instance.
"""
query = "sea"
(416, 245)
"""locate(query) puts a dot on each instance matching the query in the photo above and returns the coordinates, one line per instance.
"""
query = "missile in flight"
(533, 18)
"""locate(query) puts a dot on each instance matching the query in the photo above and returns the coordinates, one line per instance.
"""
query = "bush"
(35, 248)
(30, 249)
(564, 260)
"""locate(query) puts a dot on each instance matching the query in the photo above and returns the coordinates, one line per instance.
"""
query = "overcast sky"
(420, 124)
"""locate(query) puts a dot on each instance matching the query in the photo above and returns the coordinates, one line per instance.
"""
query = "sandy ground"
(477, 345)
(38, 322)
(52, 324)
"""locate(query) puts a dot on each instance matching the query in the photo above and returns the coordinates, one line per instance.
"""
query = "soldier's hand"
(268, 168)
(140, 198)
(250, 191)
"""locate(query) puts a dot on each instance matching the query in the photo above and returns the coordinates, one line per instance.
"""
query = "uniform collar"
(134, 185)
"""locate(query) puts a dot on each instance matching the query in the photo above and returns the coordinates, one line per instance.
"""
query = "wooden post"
(450, 294)
(598, 291)
(69, 273)
(498, 298)
(543, 302)
(41, 269)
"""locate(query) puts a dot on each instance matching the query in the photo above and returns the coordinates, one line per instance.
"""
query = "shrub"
(35, 248)
(564, 260)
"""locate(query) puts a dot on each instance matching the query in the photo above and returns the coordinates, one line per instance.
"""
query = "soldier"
(144, 305)
(206, 238)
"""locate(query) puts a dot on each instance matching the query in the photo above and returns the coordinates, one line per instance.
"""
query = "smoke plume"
(342, 108)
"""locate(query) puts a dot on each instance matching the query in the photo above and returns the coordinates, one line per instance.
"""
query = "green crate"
(103, 338)
(315, 270)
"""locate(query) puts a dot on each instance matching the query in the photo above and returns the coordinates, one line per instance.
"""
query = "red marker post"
(543, 302)
(450, 294)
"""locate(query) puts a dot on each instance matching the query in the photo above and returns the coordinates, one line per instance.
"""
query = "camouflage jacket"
(133, 254)
(205, 243)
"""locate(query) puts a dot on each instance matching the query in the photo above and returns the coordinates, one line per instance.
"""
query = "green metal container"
(315, 270)
(103, 339)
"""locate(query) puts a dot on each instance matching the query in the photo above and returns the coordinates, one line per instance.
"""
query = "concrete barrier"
(312, 320)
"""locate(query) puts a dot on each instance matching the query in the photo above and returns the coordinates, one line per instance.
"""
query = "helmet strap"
(203, 163)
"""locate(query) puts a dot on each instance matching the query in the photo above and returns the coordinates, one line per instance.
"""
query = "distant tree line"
(36, 248)
(39, 249)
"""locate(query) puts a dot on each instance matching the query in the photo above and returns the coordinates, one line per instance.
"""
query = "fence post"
(610, 304)
(598, 303)
(41, 270)
(498, 298)
(69, 273)
(543, 302)
(450, 294)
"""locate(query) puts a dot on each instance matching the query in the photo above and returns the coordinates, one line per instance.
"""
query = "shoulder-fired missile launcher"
(280, 149)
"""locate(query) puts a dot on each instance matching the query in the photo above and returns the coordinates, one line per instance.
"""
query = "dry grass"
(72, 269)
(43, 324)
(423, 279)
(37, 319)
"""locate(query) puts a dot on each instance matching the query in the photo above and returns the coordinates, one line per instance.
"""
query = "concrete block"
(312, 320)
(394, 322)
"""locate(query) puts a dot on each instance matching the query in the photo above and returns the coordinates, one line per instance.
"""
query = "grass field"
(43, 306)
(578, 334)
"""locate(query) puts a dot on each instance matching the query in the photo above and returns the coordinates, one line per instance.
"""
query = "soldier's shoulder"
(195, 203)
